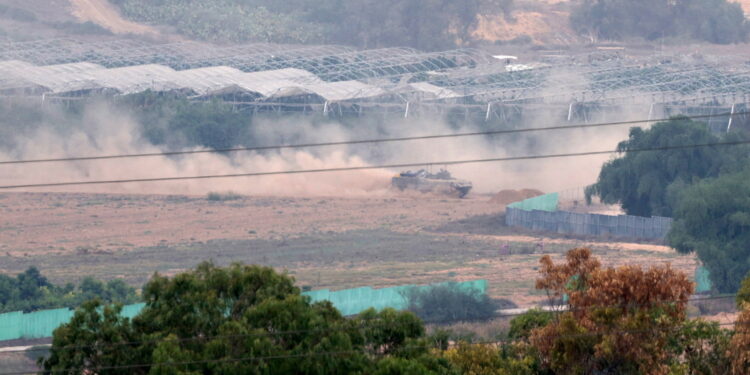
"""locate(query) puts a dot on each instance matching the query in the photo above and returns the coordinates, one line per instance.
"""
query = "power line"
(371, 167)
(355, 142)
(364, 325)
(187, 363)
(347, 352)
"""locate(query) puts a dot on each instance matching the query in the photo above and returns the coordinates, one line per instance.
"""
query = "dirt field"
(323, 242)
(60, 223)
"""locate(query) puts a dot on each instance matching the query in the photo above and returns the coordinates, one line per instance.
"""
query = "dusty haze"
(106, 131)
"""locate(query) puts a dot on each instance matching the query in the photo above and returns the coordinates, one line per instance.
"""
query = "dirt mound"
(509, 196)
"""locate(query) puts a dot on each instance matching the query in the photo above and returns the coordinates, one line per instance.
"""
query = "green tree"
(97, 337)
(238, 320)
(712, 219)
(523, 325)
(646, 183)
(701, 348)
(30, 291)
(715, 21)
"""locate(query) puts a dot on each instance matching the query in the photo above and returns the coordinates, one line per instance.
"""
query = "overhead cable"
(355, 142)
(369, 167)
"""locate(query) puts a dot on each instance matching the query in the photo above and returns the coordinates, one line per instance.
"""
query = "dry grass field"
(323, 242)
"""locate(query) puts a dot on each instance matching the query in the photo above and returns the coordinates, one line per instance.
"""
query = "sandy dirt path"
(104, 14)
(564, 241)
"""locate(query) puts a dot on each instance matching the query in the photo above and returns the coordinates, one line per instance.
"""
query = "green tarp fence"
(547, 202)
(41, 324)
(702, 280)
(354, 301)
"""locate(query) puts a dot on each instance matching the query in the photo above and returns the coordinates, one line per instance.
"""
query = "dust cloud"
(105, 131)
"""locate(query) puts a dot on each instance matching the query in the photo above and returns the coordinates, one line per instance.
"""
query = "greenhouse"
(404, 81)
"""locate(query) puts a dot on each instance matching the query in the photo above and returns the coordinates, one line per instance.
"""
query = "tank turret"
(440, 183)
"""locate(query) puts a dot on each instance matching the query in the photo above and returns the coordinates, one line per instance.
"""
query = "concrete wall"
(565, 222)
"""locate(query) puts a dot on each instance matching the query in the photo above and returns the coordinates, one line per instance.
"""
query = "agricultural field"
(329, 242)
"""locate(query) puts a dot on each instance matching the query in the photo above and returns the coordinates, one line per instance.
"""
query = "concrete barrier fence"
(565, 222)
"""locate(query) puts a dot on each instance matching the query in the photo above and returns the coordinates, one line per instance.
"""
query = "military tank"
(423, 181)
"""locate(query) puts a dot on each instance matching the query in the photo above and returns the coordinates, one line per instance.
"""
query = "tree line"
(253, 320)
(425, 24)
(714, 21)
(706, 190)
(428, 24)
(30, 291)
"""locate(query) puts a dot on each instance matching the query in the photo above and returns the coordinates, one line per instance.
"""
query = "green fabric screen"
(702, 280)
(40, 324)
(547, 202)
(353, 301)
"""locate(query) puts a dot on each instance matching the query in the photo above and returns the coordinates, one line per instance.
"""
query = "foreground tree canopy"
(646, 183)
(237, 320)
(715, 21)
(252, 320)
(648, 305)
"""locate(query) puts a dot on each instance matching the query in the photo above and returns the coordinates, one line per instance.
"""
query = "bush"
(449, 303)
(221, 197)
(522, 325)
(483, 359)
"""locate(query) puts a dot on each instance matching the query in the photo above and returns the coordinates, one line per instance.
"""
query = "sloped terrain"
(79, 19)
(102, 13)
(745, 5)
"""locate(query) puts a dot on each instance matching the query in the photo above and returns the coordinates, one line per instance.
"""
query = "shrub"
(483, 359)
(221, 197)
(449, 303)
(522, 325)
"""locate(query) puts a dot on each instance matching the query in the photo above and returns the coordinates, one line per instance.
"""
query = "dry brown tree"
(618, 320)
(739, 346)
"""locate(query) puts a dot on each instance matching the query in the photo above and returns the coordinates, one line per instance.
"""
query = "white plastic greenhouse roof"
(436, 92)
(345, 90)
(216, 80)
(139, 78)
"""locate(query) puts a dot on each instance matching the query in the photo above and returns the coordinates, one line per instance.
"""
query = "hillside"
(102, 13)
(745, 5)
(531, 21)
(79, 19)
